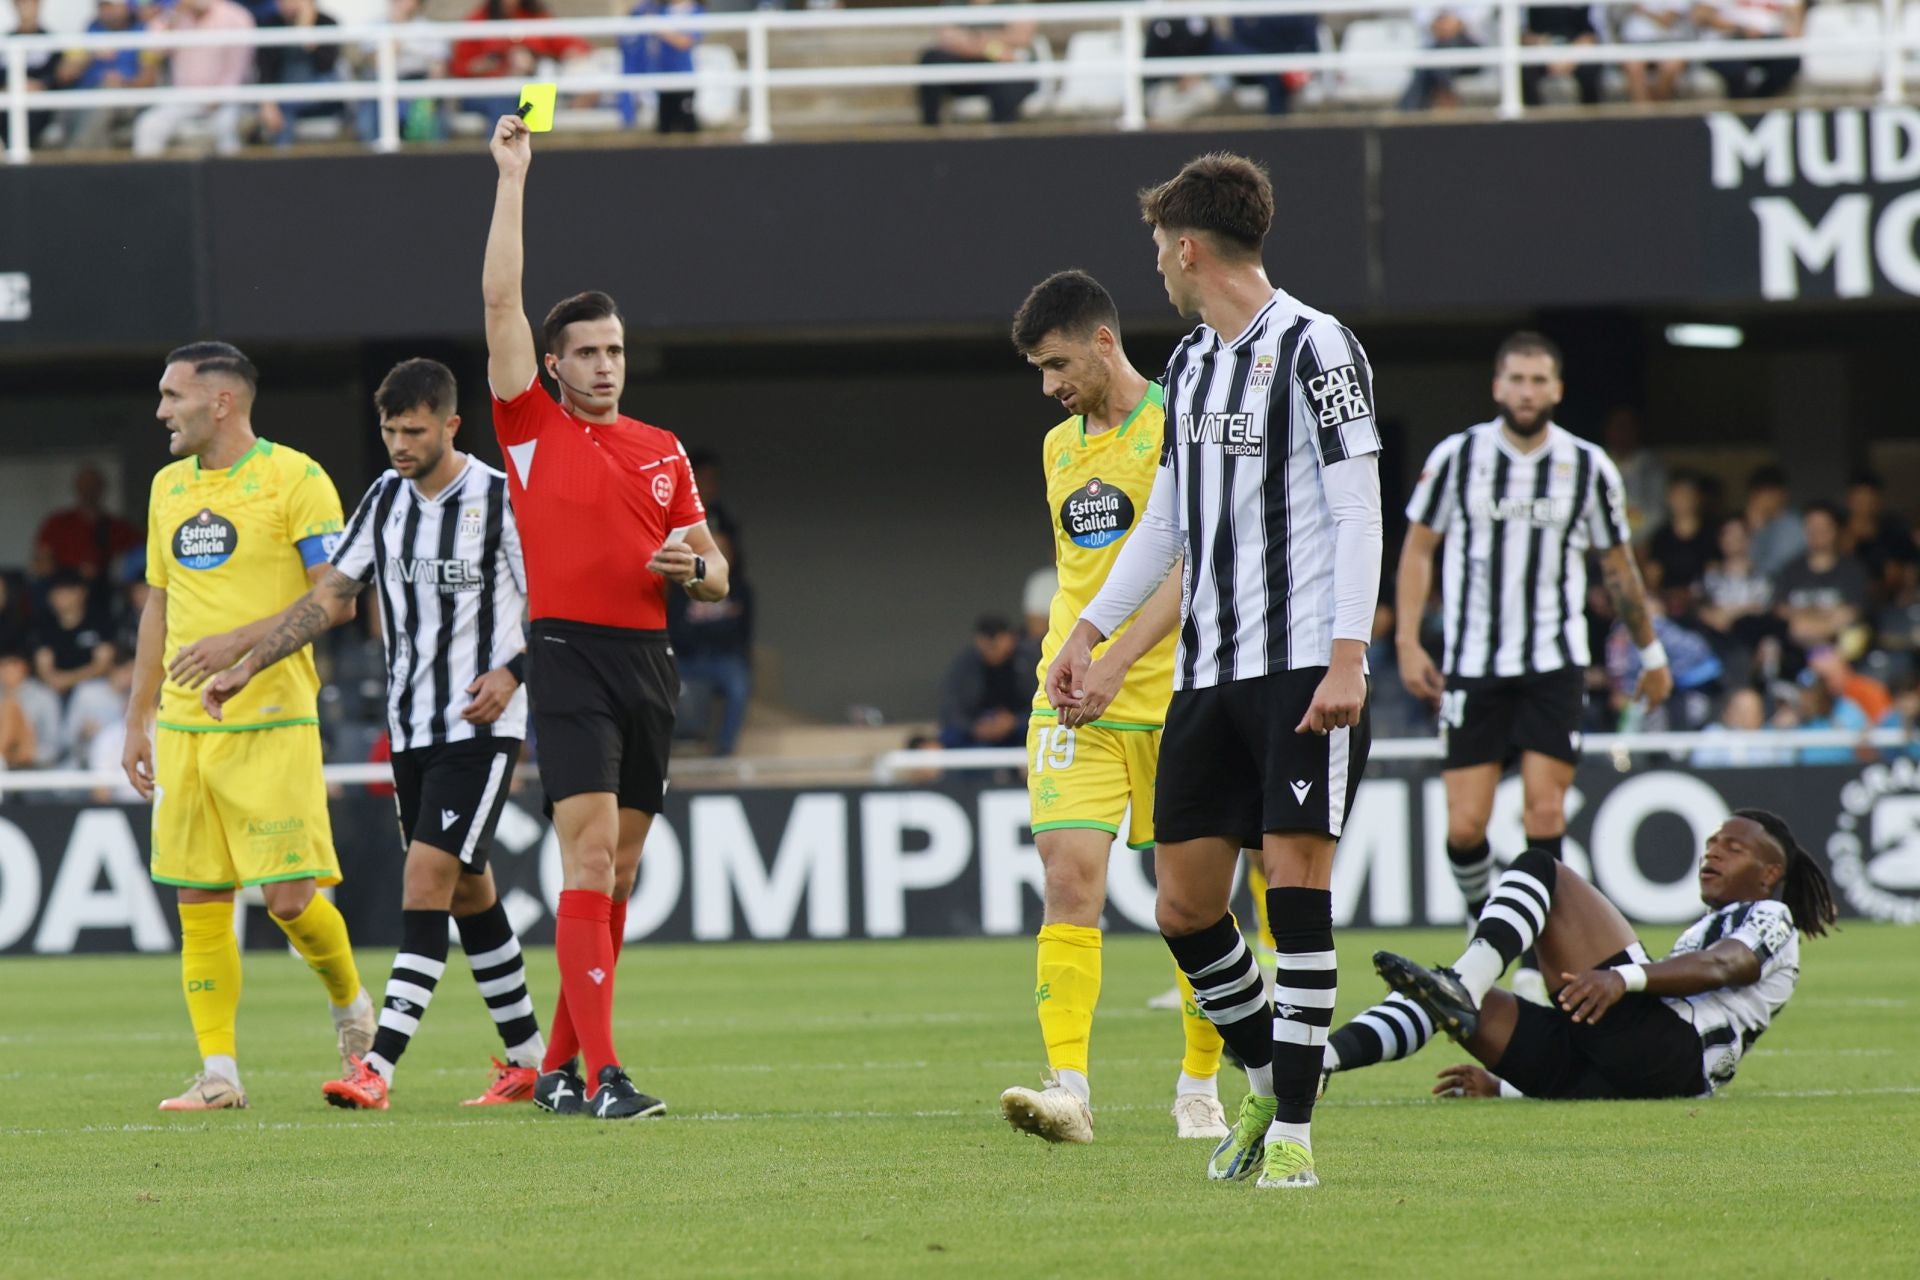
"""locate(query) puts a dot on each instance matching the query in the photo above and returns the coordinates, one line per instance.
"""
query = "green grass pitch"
(833, 1114)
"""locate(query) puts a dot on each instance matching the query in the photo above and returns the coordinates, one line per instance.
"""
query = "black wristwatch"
(699, 572)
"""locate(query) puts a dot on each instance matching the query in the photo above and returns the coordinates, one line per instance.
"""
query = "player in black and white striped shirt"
(1519, 502)
(1269, 485)
(436, 537)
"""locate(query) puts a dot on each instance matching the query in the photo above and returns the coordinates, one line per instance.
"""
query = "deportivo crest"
(663, 488)
(1338, 396)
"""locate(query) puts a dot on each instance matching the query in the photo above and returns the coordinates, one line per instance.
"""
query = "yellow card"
(536, 106)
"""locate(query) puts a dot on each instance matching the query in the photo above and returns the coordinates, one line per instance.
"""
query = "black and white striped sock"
(416, 972)
(494, 952)
(1473, 871)
(1511, 920)
(1305, 985)
(1395, 1028)
(1228, 989)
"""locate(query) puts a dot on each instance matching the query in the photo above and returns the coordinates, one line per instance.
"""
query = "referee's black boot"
(561, 1091)
(1439, 991)
(618, 1099)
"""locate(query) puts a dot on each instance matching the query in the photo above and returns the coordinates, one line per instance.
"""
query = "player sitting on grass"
(1621, 1025)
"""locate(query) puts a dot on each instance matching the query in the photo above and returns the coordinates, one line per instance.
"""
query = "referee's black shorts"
(1231, 765)
(1493, 719)
(602, 708)
(1640, 1049)
(450, 795)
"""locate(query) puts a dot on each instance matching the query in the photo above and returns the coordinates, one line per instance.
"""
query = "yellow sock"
(1202, 1059)
(210, 974)
(319, 934)
(1257, 886)
(1067, 991)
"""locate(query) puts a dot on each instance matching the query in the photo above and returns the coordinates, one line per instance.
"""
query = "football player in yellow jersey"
(235, 530)
(1088, 767)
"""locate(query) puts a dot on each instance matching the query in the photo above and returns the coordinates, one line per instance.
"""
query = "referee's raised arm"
(511, 361)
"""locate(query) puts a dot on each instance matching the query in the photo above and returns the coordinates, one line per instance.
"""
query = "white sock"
(223, 1065)
(1208, 1085)
(1479, 967)
(1300, 1133)
(380, 1065)
(1260, 1081)
(360, 1004)
(529, 1054)
(1331, 1062)
(1075, 1083)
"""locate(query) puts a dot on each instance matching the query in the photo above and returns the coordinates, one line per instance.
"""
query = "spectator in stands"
(68, 647)
(207, 67)
(1683, 546)
(42, 72)
(15, 630)
(1737, 20)
(1777, 535)
(1642, 474)
(97, 709)
(1822, 594)
(1011, 42)
(317, 63)
(18, 749)
(1565, 26)
(1448, 26)
(1176, 36)
(40, 745)
(1878, 539)
(1736, 599)
(1897, 628)
(713, 642)
(1654, 22)
(662, 53)
(1842, 681)
(987, 696)
(1275, 33)
(710, 477)
(104, 69)
(921, 777)
(1745, 712)
(85, 538)
(1817, 708)
(419, 55)
(518, 58)
(1697, 671)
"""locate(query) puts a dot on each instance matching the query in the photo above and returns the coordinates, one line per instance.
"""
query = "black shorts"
(1492, 719)
(1640, 1049)
(602, 705)
(450, 795)
(1231, 765)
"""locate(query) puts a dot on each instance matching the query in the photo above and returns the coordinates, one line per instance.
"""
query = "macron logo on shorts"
(598, 975)
(1300, 790)
(447, 818)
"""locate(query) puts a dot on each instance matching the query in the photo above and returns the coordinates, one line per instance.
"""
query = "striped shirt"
(1251, 423)
(1513, 578)
(452, 590)
(1730, 1019)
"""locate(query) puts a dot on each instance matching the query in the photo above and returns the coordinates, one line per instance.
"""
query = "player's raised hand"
(195, 662)
(512, 146)
(214, 697)
(1587, 996)
(1464, 1080)
(136, 757)
(490, 693)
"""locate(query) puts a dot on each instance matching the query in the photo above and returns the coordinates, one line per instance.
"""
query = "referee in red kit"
(609, 515)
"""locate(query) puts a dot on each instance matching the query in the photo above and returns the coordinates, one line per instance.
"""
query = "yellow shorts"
(247, 807)
(1086, 778)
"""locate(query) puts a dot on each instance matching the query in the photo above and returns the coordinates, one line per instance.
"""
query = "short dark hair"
(1767, 477)
(1821, 507)
(417, 384)
(1225, 195)
(1866, 478)
(1071, 303)
(1528, 343)
(991, 624)
(217, 357)
(591, 305)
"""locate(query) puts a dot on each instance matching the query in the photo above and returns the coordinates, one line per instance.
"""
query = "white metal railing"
(759, 78)
(1770, 746)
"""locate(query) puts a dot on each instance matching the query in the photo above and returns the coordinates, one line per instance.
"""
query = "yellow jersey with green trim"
(1097, 489)
(232, 546)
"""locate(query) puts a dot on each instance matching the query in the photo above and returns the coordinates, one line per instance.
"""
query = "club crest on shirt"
(470, 522)
(1096, 514)
(663, 488)
(205, 540)
(1262, 372)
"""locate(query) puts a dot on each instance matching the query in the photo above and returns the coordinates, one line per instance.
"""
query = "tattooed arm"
(1629, 596)
(327, 605)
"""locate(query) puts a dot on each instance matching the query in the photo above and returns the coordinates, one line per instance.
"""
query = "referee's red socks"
(565, 1043)
(584, 946)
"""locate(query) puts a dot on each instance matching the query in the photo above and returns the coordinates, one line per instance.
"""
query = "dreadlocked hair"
(1805, 890)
